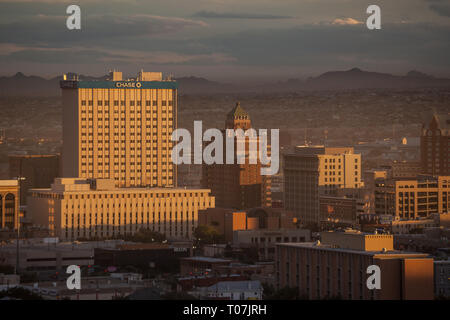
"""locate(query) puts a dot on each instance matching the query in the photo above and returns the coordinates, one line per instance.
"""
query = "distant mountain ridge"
(22, 85)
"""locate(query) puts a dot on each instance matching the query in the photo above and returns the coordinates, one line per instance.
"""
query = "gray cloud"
(441, 7)
(50, 56)
(230, 15)
(51, 30)
(412, 46)
(136, 33)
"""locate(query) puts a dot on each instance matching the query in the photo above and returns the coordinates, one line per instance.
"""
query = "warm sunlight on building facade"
(75, 208)
(120, 129)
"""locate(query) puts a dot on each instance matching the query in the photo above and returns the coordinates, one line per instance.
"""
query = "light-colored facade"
(336, 267)
(313, 171)
(339, 168)
(265, 240)
(78, 208)
(403, 169)
(412, 198)
(9, 204)
(120, 129)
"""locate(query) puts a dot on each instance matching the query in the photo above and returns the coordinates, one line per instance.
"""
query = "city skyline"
(239, 152)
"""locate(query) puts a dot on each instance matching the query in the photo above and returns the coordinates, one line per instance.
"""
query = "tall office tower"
(39, 171)
(9, 204)
(120, 129)
(238, 186)
(435, 146)
(313, 171)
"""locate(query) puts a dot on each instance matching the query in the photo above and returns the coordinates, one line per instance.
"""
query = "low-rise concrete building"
(336, 267)
(265, 240)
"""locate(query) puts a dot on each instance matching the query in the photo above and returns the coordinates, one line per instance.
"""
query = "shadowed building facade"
(226, 221)
(312, 171)
(435, 146)
(238, 186)
(336, 267)
(39, 171)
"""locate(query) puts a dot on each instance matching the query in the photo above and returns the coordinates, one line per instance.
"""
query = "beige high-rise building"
(120, 129)
(75, 208)
(312, 171)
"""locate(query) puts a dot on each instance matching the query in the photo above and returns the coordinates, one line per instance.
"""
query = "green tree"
(206, 235)
(146, 236)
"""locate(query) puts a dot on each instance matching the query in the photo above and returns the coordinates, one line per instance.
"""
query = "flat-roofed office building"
(120, 129)
(75, 208)
(311, 171)
(412, 198)
(336, 267)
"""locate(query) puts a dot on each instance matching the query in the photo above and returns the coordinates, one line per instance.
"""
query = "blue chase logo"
(129, 84)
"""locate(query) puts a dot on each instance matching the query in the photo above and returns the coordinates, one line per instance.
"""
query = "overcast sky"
(224, 39)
